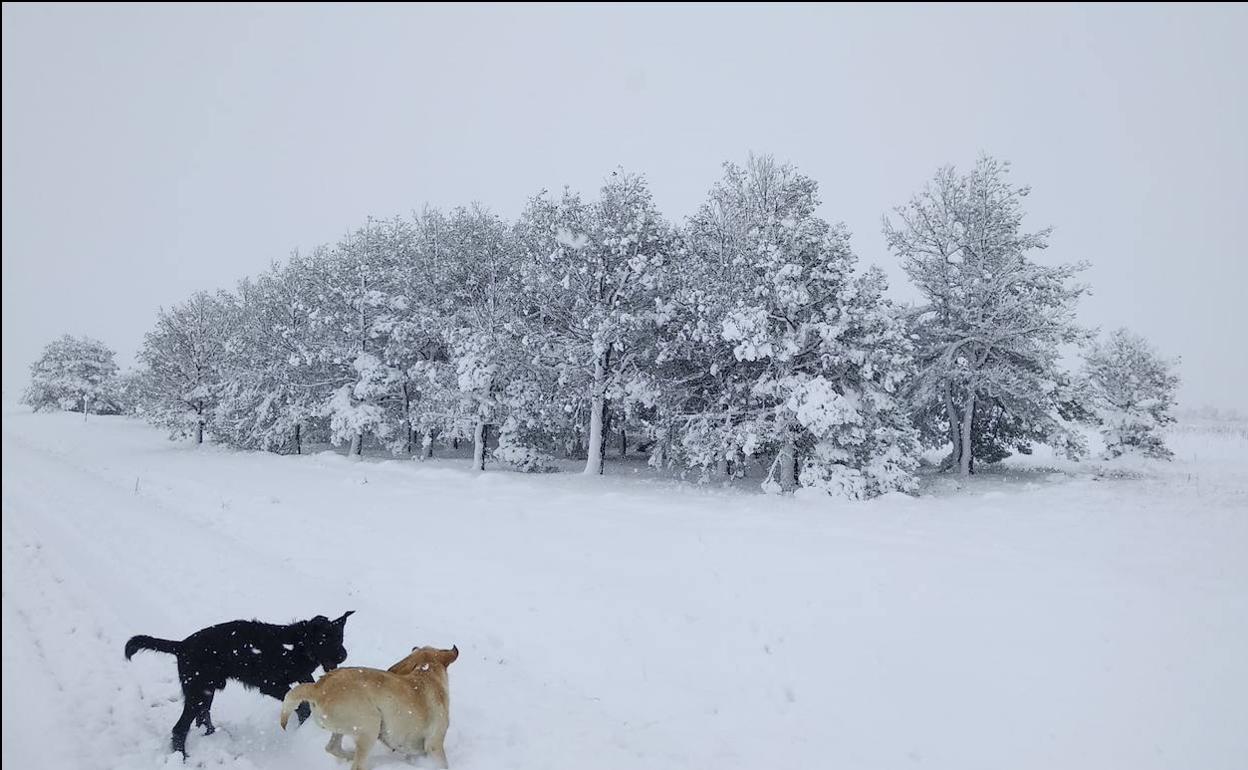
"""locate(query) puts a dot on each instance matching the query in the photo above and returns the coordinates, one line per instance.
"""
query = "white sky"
(152, 151)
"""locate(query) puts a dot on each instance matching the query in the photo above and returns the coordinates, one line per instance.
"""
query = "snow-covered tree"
(351, 295)
(185, 357)
(481, 286)
(543, 232)
(74, 374)
(992, 323)
(1133, 391)
(412, 336)
(589, 279)
(127, 392)
(772, 347)
(274, 389)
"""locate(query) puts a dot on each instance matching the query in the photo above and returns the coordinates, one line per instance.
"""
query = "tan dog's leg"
(433, 746)
(413, 750)
(364, 740)
(335, 747)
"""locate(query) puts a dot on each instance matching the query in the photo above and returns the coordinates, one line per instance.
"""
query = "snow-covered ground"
(1034, 619)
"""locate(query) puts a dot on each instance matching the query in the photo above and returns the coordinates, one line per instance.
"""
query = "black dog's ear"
(316, 626)
(343, 620)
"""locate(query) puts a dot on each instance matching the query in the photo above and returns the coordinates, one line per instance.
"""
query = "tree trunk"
(593, 457)
(623, 442)
(478, 446)
(593, 461)
(426, 446)
(964, 455)
(357, 447)
(658, 454)
(955, 431)
(788, 464)
(199, 432)
(606, 431)
(408, 442)
(84, 408)
(298, 440)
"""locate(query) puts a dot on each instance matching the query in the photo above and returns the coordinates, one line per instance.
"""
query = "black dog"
(268, 657)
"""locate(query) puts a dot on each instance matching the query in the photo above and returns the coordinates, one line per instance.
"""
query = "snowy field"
(1061, 617)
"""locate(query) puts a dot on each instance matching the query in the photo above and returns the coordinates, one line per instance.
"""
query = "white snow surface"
(1043, 616)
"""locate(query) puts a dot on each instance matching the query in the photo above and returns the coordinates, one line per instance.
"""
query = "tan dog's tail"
(296, 697)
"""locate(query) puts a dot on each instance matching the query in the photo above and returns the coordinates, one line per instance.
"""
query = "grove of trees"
(744, 340)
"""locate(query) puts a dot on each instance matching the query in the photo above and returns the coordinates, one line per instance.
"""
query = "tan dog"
(406, 707)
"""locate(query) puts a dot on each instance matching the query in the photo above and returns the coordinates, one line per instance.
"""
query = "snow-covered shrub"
(1133, 391)
(522, 446)
(522, 458)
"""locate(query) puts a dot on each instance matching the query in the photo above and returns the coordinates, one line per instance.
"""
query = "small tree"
(1132, 393)
(186, 357)
(74, 373)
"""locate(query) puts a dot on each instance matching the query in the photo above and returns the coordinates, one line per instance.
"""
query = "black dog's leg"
(194, 704)
(304, 711)
(279, 691)
(205, 717)
(198, 688)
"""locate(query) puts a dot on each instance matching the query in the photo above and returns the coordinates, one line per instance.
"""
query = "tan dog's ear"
(447, 657)
(407, 665)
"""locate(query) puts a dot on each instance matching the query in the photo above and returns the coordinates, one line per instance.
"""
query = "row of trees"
(743, 338)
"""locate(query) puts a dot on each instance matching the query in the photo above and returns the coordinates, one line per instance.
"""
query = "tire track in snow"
(73, 578)
(486, 726)
(75, 658)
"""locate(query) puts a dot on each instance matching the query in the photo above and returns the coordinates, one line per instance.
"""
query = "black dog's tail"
(137, 643)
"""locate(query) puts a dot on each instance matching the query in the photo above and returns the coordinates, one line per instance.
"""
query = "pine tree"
(989, 332)
(412, 337)
(354, 304)
(481, 288)
(590, 277)
(772, 347)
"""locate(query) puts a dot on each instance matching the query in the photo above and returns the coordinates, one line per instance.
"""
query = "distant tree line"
(743, 340)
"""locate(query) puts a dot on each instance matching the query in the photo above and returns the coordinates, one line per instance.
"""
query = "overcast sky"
(153, 151)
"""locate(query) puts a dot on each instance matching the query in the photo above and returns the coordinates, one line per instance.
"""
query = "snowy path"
(618, 623)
